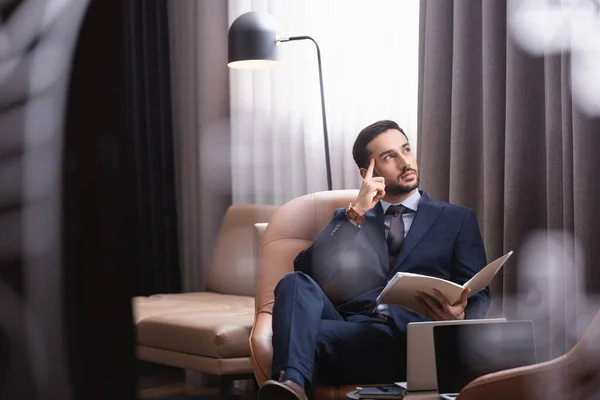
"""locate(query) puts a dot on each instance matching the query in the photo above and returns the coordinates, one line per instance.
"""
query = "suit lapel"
(375, 231)
(426, 215)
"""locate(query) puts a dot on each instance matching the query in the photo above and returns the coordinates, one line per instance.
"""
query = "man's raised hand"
(371, 191)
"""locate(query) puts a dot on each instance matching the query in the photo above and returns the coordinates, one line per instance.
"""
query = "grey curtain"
(498, 132)
(200, 78)
(150, 171)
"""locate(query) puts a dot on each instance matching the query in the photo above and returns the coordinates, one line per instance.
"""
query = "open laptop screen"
(466, 352)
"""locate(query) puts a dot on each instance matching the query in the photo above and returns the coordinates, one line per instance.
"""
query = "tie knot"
(396, 210)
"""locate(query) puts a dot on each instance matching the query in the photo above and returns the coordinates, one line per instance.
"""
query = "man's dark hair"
(359, 150)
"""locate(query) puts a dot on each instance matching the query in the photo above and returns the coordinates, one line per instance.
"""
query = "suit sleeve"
(322, 260)
(470, 258)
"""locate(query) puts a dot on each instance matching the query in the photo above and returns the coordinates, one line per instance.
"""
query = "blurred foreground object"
(551, 293)
(65, 318)
(576, 375)
(37, 42)
(547, 27)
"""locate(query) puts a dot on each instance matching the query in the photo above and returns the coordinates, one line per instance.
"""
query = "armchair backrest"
(292, 229)
(234, 268)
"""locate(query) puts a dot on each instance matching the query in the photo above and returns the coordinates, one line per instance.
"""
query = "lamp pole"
(323, 113)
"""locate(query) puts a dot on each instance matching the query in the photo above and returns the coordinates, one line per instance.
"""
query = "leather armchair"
(291, 229)
(575, 375)
(208, 331)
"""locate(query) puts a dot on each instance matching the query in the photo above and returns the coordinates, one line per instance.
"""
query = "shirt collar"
(411, 202)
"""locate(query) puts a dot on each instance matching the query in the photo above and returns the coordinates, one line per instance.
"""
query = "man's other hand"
(437, 308)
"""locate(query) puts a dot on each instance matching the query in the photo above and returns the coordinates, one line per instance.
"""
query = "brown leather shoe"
(286, 390)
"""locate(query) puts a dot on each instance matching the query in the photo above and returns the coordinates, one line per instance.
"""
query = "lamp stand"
(325, 136)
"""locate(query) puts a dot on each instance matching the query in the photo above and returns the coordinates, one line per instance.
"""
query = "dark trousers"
(327, 346)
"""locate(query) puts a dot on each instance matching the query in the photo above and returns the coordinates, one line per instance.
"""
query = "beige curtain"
(198, 32)
(499, 132)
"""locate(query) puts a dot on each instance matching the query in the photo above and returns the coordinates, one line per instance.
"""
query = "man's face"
(395, 162)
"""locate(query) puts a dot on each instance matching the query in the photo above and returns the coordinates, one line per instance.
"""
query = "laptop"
(420, 354)
(465, 352)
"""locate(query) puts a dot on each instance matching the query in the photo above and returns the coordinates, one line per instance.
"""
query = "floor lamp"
(253, 44)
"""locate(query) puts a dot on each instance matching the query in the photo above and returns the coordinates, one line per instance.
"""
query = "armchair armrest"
(259, 231)
(516, 383)
(261, 345)
(573, 375)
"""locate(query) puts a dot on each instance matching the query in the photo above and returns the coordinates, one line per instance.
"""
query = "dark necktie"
(395, 237)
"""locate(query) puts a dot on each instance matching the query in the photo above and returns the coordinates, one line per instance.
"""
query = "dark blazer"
(351, 263)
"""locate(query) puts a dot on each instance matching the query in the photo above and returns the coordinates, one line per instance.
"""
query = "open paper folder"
(403, 287)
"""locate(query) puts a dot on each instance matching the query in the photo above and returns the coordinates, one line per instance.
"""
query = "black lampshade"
(253, 41)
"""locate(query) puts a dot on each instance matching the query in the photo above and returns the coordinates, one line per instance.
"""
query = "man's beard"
(396, 189)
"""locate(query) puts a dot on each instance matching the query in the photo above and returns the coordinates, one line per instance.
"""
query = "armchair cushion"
(202, 324)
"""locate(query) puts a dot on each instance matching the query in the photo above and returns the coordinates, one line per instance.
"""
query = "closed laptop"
(466, 352)
(420, 354)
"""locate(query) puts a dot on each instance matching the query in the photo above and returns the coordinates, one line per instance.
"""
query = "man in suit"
(326, 323)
